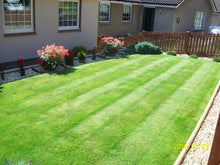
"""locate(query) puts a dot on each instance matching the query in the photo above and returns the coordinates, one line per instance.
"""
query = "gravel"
(199, 153)
(201, 58)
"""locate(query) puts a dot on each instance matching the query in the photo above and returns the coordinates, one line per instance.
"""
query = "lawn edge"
(198, 126)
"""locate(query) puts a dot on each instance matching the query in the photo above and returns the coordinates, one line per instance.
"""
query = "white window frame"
(78, 17)
(23, 30)
(203, 23)
(109, 4)
(129, 5)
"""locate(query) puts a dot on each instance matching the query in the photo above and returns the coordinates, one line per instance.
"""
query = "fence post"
(99, 39)
(186, 44)
(143, 35)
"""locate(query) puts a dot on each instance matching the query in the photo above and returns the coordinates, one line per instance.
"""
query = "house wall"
(215, 20)
(164, 19)
(118, 28)
(46, 20)
(186, 12)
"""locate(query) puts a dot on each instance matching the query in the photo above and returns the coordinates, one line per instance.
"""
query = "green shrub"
(171, 52)
(216, 59)
(143, 48)
(193, 56)
(78, 49)
(131, 49)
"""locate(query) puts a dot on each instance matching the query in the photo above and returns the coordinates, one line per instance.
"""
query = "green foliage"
(193, 56)
(78, 49)
(131, 49)
(143, 48)
(82, 56)
(216, 59)
(171, 52)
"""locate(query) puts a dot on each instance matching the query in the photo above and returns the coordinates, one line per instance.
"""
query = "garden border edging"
(197, 128)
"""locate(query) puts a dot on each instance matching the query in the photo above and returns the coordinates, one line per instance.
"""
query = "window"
(68, 14)
(104, 13)
(127, 13)
(199, 20)
(18, 16)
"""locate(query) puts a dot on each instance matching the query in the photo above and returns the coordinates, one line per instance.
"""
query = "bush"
(51, 56)
(193, 56)
(69, 58)
(111, 45)
(78, 49)
(171, 52)
(131, 49)
(82, 56)
(216, 59)
(143, 48)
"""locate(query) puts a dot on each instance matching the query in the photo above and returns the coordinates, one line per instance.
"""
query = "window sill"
(19, 34)
(104, 22)
(69, 30)
(198, 29)
(126, 21)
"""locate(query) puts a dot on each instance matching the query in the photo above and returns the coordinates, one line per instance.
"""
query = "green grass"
(125, 111)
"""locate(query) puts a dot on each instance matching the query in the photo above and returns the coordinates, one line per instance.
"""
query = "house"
(27, 25)
(121, 17)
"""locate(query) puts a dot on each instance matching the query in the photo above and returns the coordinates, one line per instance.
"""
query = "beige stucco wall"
(215, 20)
(164, 19)
(186, 12)
(46, 18)
(117, 27)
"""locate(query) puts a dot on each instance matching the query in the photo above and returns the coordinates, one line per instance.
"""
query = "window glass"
(127, 13)
(17, 14)
(104, 12)
(68, 14)
(199, 20)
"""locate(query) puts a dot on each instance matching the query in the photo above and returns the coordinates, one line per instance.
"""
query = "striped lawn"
(125, 111)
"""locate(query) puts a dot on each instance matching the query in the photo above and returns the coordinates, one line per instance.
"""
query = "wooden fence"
(201, 44)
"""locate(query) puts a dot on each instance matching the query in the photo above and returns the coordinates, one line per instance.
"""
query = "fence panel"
(201, 44)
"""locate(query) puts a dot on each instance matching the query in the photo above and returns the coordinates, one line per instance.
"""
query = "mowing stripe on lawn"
(142, 143)
(102, 133)
(64, 91)
(123, 83)
(91, 96)
(31, 114)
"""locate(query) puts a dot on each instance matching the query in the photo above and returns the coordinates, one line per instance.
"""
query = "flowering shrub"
(111, 45)
(21, 66)
(69, 57)
(51, 56)
(82, 56)
(78, 49)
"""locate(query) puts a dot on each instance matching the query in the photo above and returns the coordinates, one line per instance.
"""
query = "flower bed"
(14, 74)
